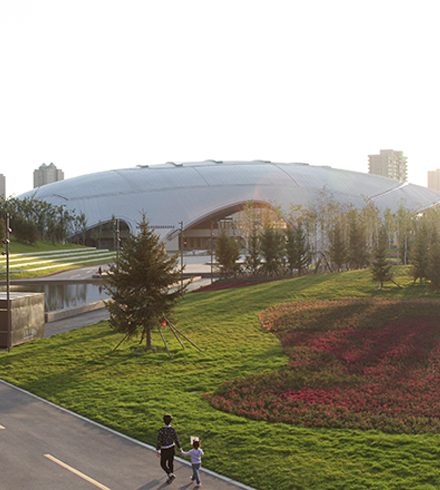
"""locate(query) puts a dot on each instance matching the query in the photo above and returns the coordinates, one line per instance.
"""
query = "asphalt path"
(44, 447)
(193, 265)
(77, 321)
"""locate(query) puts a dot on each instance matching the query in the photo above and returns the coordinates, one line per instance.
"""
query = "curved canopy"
(193, 192)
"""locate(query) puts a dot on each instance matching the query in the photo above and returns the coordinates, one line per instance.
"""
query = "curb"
(54, 316)
(128, 438)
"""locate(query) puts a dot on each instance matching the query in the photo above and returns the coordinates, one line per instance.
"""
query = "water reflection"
(62, 296)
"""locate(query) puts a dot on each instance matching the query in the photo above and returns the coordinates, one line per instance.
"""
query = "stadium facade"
(190, 196)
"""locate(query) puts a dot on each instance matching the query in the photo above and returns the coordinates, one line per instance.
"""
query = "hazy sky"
(93, 85)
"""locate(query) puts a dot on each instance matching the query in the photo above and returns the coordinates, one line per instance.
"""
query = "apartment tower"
(2, 186)
(46, 174)
(434, 180)
(389, 163)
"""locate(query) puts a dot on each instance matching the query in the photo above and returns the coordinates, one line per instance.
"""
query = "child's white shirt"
(196, 455)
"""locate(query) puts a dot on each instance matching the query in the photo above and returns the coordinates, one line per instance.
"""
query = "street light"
(212, 250)
(117, 237)
(182, 241)
(8, 286)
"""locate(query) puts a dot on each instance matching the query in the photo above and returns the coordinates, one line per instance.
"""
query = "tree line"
(32, 220)
(328, 235)
(323, 235)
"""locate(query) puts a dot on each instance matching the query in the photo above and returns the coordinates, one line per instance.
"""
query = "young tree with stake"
(139, 283)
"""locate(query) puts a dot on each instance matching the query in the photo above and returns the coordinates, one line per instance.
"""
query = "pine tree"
(297, 249)
(227, 253)
(434, 264)
(420, 254)
(273, 251)
(338, 249)
(252, 262)
(138, 282)
(381, 267)
(357, 243)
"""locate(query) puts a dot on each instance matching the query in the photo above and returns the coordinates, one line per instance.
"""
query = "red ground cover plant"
(358, 364)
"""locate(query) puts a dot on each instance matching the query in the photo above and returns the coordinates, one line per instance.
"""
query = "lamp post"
(116, 237)
(182, 241)
(212, 250)
(8, 286)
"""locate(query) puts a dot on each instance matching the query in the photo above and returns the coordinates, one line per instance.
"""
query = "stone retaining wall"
(27, 318)
(54, 316)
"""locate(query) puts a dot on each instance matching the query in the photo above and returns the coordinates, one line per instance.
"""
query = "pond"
(62, 296)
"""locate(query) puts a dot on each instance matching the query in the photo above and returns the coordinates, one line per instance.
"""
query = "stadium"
(189, 197)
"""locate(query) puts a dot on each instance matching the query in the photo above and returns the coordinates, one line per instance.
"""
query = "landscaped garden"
(325, 375)
(359, 364)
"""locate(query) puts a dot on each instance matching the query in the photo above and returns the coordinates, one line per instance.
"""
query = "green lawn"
(130, 392)
(44, 258)
(16, 247)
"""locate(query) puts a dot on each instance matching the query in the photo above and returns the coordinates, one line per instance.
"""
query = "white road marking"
(76, 472)
(123, 436)
(1, 427)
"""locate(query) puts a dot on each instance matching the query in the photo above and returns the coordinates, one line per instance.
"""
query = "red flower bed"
(367, 364)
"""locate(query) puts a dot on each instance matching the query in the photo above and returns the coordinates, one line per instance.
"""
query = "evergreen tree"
(252, 262)
(138, 282)
(434, 263)
(420, 255)
(227, 253)
(338, 249)
(381, 268)
(297, 249)
(273, 251)
(357, 253)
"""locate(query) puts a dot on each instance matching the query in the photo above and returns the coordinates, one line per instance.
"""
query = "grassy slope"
(130, 392)
(41, 246)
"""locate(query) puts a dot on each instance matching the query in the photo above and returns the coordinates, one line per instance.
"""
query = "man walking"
(165, 448)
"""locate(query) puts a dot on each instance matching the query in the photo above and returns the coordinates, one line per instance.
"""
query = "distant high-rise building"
(46, 174)
(2, 186)
(389, 163)
(434, 180)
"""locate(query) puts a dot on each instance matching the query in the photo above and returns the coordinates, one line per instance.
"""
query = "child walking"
(165, 447)
(196, 454)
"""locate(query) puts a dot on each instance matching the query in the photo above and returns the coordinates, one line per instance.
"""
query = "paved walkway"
(77, 321)
(194, 264)
(44, 447)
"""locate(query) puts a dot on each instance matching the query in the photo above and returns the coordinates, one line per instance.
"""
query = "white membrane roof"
(192, 192)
